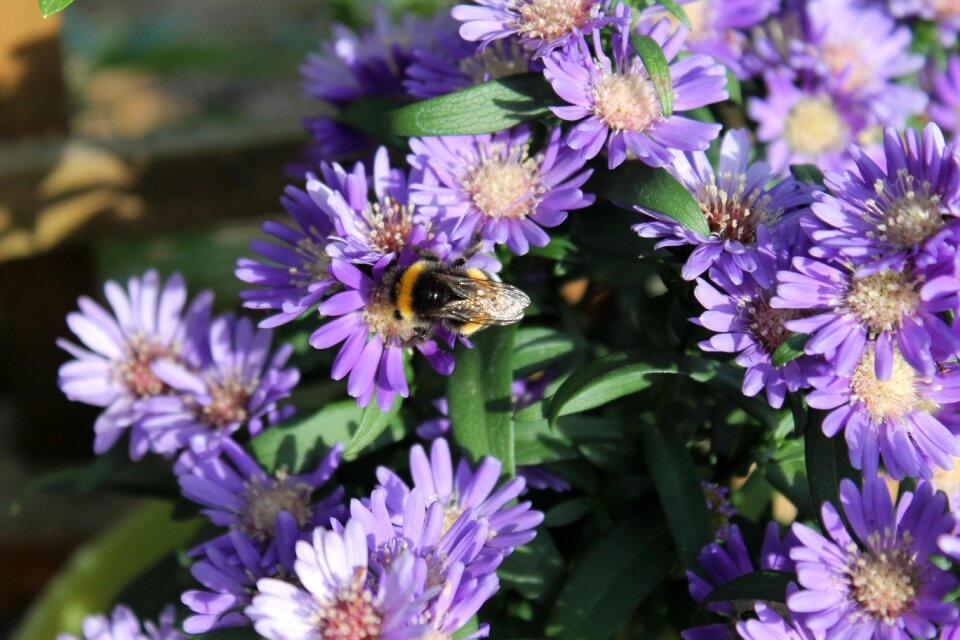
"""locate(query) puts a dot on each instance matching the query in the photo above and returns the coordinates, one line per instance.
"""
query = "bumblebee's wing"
(484, 302)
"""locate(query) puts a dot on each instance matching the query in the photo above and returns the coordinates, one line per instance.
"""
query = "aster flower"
(339, 597)
(770, 626)
(614, 101)
(944, 109)
(149, 322)
(878, 582)
(944, 13)
(239, 383)
(881, 216)
(735, 200)
(238, 494)
(900, 418)
(542, 25)
(123, 624)
(493, 186)
(298, 277)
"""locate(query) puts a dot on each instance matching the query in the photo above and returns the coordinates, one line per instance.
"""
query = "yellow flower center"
(626, 102)
(813, 126)
(883, 580)
(504, 183)
(228, 403)
(892, 399)
(881, 300)
(551, 19)
(908, 211)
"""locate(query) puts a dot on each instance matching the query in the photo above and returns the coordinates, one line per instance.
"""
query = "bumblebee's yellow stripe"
(476, 274)
(469, 328)
(404, 289)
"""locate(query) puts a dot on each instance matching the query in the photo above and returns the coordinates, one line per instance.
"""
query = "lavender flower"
(770, 626)
(123, 624)
(542, 25)
(878, 582)
(736, 201)
(900, 418)
(615, 101)
(493, 186)
(299, 276)
(113, 368)
(270, 510)
(944, 13)
(944, 109)
(239, 383)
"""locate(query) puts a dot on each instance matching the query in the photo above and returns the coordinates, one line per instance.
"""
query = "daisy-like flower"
(123, 624)
(239, 383)
(721, 563)
(770, 626)
(881, 216)
(541, 25)
(944, 107)
(900, 419)
(268, 509)
(944, 13)
(807, 124)
(149, 322)
(292, 276)
(494, 186)
(340, 598)
(878, 582)
(718, 27)
(509, 527)
(615, 102)
(736, 200)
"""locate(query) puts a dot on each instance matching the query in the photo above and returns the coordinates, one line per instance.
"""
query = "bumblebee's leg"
(474, 249)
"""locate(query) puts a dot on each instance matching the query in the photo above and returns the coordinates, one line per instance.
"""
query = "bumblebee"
(464, 300)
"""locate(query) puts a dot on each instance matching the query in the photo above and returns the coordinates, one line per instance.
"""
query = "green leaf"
(568, 512)
(538, 347)
(657, 68)
(681, 496)
(637, 184)
(790, 349)
(369, 116)
(613, 578)
(828, 462)
(50, 7)
(484, 108)
(808, 173)
(534, 569)
(785, 469)
(733, 88)
(471, 627)
(373, 422)
(479, 395)
(768, 586)
(536, 443)
(81, 479)
(675, 9)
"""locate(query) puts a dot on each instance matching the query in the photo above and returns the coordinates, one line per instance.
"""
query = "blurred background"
(133, 134)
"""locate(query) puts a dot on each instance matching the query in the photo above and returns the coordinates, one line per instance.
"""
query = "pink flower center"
(135, 372)
(265, 501)
(228, 403)
(883, 580)
(548, 20)
(626, 101)
(733, 212)
(351, 614)
(390, 224)
(946, 8)
(504, 182)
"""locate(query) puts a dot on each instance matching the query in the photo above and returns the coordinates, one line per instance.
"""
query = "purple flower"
(340, 598)
(900, 418)
(944, 13)
(509, 527)
(719, 508)
(882, 215)
(239, 383)
(270, 510)
(113, 368)
(944, 107)
(878, 582)
(542, 25)
(736, 200)
(770, 626)
(615, 101)
(494, 186)
(719, 27)
(298, 277)
(123, 624)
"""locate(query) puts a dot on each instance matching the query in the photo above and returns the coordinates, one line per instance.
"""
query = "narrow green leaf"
(681, 497)
(538, 347)
(468, 629)
(484, 108)
(479, 396)
(613, 578)
(807, 173)
(536, 442)
(733, 88)
(373, 422)
(81, 479)
(50, 7)
(568, 512)
(637, 184)
(657, 68)
(533, 570)
(790, 349)
(676, 10)
(369, 116)
(768, 586)
(828, 462)
(785, 468)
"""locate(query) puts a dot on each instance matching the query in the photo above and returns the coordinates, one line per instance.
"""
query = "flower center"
(814, 127)
(766, 322)
(315, 264)
(732, 212)
(891, 399)
(500, 59)
(351, 614)
(382, 319)
(846, 59)
(135, 372)
(907, 210)
(265, 501)
(228, 403)
(946, 8)
(883, 580)
(505, 183)
(390, 225)
(548, 20)
(881, 300)
(627, 101)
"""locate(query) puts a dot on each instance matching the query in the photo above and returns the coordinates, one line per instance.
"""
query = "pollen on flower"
(946, 8)
(504, 182)
(907, 210)
(381, 318)
(891, 399)
(548, 20)
(228, 403)
(731, 211)
(265, 500)
(626, 101)
(766, 322)
(813, 126)
(500, 59)
(881, 300)
(314, 266)
(883, 579)
(390, 224)
(135, 372)
(350, 614)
